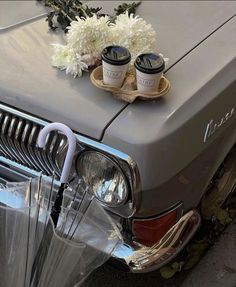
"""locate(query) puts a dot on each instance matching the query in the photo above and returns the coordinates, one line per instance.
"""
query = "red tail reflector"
(150, 231)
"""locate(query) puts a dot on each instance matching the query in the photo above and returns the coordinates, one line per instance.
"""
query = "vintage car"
(153, 165)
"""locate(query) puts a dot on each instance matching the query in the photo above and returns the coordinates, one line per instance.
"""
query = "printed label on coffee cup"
(146, 82)
(113, 74)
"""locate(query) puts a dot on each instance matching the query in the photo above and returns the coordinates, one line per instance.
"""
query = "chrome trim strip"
(81, 138)
(179, 207)
(22, 115)
(28, 172)
(23, 22)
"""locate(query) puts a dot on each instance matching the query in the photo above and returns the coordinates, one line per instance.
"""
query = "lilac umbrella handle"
(71, 145)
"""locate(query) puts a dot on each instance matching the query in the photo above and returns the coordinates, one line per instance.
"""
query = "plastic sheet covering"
(18, 217)
(35, 254)
(60, 265)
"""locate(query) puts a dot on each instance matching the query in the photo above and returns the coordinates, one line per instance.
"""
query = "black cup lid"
(116, 55)
(149, 63)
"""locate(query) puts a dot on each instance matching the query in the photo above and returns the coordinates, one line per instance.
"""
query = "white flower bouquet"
(87, 37)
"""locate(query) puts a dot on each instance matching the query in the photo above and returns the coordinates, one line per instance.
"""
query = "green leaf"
(130, 8)
(177, 265)
(65, 11)
(223, 216)
(167, 272)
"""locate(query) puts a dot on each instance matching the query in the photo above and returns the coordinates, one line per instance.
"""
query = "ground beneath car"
(218, 267)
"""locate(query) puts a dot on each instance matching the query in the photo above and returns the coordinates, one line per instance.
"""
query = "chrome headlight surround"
(129, 168)
(105, 177)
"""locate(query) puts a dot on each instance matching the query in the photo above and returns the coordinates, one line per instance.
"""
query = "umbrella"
(17, 224)
(50, 240)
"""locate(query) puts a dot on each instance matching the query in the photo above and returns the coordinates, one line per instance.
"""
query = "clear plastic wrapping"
(18, 217)
(35, 254)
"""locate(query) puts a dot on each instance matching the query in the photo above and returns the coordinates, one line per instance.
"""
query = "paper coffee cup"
(149, 70)
(115, 62)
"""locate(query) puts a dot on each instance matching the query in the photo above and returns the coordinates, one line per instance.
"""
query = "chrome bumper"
(141, 259)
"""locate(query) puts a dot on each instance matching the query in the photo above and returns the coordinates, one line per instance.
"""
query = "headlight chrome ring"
(104, 176)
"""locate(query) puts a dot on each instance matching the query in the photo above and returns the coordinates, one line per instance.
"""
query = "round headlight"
(104, 176)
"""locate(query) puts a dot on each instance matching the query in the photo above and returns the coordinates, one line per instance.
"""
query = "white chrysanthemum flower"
(66, 58)
(135, 34)
(89, 35)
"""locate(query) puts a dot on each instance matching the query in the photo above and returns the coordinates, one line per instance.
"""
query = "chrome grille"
(18, 138)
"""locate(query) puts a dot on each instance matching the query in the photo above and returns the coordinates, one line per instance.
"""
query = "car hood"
(29, 82)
